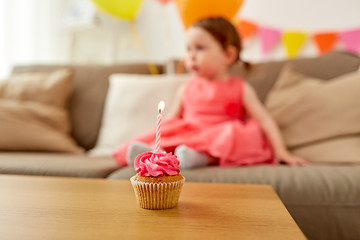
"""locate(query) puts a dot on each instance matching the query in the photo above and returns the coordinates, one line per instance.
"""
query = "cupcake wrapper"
(157, 195)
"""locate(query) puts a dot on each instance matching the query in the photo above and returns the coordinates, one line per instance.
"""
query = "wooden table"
(69, 208)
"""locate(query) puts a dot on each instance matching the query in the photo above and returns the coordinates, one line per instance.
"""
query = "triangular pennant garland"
(325, 42)
(293, 41)
(351, 40)
(246, 29)
(269, 39)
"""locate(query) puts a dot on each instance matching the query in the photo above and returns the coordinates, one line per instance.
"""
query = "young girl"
(219, 118)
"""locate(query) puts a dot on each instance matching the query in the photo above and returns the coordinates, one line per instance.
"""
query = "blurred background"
(152, 31)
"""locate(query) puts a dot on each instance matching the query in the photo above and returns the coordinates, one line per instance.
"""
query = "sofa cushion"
(312, 116)
(51, 88)
(56, 164)
(311, 185)
(131, 107)
(88, 96)
(262, 76)
(33, 117)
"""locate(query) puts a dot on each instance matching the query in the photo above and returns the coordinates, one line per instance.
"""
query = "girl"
(219, 118)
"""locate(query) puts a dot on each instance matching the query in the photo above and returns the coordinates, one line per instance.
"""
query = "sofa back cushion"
(319, 119)
(47, 88)
(88, 97)
(33, 114)
(131, 107)
(262, 76)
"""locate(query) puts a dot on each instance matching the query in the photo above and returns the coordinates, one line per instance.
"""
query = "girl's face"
(204, 55)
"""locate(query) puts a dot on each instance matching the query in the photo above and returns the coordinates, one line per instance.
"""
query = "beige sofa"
(324, 199)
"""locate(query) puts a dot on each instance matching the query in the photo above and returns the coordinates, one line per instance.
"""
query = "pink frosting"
(156, 163)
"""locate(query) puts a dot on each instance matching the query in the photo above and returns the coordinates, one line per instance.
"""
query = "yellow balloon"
(124, 9)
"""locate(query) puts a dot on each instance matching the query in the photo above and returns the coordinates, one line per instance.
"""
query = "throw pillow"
(33, 114)
(131, 107)
(318, 116)
(51, 88)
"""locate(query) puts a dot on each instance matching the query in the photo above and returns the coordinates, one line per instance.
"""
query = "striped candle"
(158, 125)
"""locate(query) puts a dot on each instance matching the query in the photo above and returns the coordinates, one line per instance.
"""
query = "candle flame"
(161, 106)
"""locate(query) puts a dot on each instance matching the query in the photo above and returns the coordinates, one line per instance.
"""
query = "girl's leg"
(190, 158)
(134, 150)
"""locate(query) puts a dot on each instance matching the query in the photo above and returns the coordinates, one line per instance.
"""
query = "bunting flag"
(293, 41)
(246, 29)
(269, 39)
(351, 40)
(325, 42)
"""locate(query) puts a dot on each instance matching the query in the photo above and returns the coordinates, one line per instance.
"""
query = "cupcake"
(157, 184)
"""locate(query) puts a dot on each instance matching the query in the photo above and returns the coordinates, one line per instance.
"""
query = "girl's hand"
(289, 159)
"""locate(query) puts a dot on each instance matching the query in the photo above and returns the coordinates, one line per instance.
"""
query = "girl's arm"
(176, 109)
(257, 111)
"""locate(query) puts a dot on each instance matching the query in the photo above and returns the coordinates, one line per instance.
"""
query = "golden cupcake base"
(157, 195)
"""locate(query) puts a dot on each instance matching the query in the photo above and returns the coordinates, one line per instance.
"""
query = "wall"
(162, 35)
(34, 31)
(306, 15)
(31, 32)
(156, 35)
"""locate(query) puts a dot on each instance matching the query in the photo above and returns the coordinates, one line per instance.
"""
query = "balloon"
(164, 1)
(193, 10)
(125, 9)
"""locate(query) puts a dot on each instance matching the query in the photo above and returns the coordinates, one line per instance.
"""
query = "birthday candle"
(158, 125)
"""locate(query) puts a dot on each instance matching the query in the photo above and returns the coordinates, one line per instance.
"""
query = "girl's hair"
(224, 32)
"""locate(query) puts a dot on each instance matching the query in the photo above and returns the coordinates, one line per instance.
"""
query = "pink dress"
(214, 122)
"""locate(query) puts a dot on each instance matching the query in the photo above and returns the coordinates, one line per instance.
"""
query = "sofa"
(323, 198)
